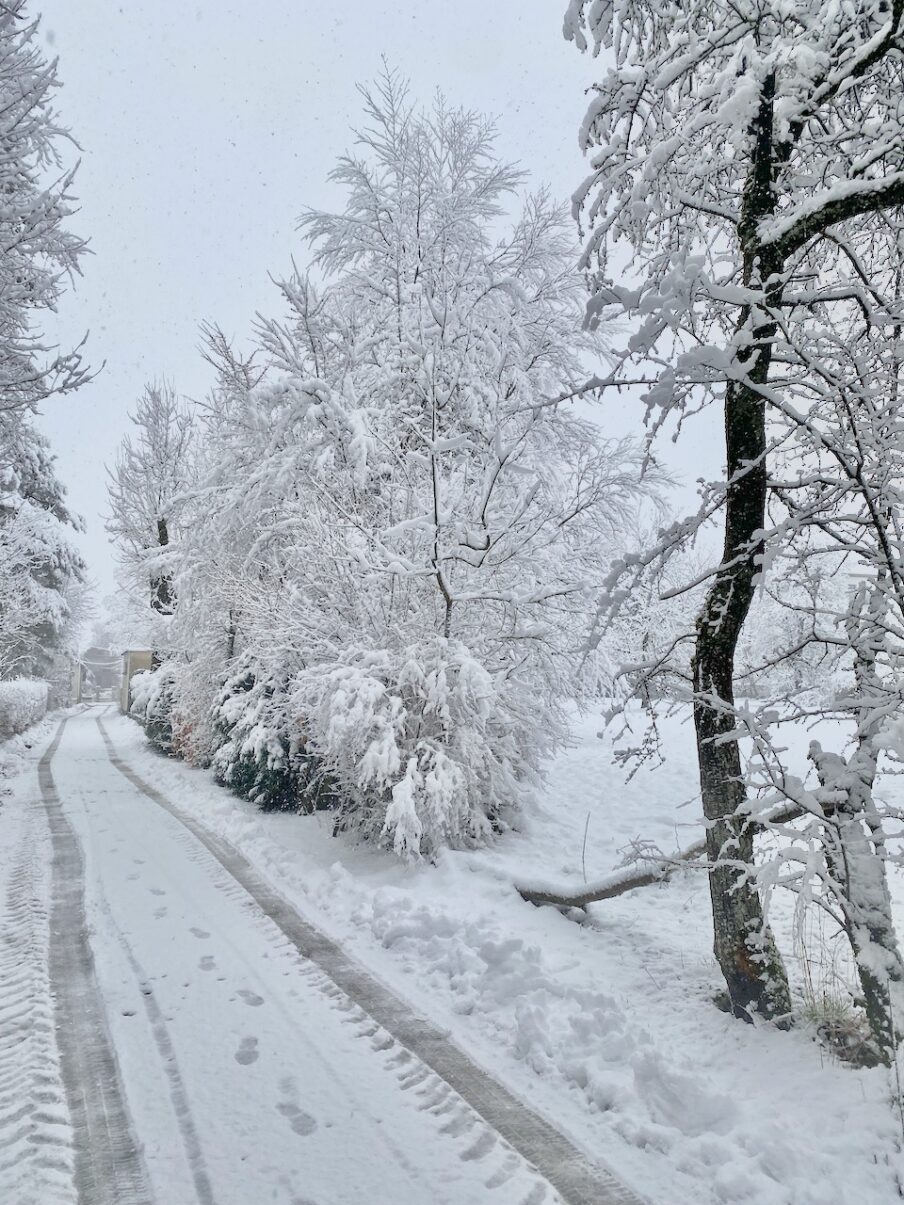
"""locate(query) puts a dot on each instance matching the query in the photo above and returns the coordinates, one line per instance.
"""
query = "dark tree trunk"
(231, 634)
(162, 593)
(753, 971)
(743, 946)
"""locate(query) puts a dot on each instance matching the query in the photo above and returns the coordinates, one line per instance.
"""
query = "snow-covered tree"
(41, 573)
(422, 526)
(37, 251)
(749, 156)
(146, 490)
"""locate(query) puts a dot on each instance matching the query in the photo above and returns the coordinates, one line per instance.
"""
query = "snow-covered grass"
(607, 1026)
(23, 701)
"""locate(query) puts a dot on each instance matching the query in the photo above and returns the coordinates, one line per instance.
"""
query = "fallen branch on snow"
(617, 883)
(629, 878)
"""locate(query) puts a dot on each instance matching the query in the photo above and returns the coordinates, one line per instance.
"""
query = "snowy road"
(218, 1051)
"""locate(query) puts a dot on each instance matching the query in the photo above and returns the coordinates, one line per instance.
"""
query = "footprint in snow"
(302, 1123)
(157, 891)
(202, 933)
(207, 963)
(160, 913)
(536, 1196)
(251, 998)
(484, 1144)
(247, 1053)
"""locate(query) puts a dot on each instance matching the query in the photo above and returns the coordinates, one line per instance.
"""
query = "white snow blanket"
(23, 701)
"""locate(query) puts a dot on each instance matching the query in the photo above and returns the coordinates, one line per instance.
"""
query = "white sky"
(207, 127)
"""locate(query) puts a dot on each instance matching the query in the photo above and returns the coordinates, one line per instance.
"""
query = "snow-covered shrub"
(263, 756)
(152, 706)
(427, 746)
(23, 701)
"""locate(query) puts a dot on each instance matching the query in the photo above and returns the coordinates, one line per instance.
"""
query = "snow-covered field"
(607, 1027)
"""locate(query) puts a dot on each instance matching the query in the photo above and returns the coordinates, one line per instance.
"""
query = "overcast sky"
(206, 128)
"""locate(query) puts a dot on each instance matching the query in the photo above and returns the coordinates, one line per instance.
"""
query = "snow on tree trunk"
(754, 975)
(854, 849)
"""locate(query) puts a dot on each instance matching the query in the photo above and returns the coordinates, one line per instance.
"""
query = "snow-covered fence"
(23, 701)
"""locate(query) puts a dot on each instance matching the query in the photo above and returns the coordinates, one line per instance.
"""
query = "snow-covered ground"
(607, 1027)
(36, 1155)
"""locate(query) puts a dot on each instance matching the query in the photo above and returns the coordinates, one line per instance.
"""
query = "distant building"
(96, 676)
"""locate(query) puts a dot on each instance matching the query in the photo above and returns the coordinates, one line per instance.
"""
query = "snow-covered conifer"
(40, 570)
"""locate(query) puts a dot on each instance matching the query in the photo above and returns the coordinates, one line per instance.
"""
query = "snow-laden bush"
(426, 746)
(23, 701)
(263, 756)
(152, 706)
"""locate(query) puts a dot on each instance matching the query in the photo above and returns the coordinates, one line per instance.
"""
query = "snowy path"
(108, 1169)
(249, 1069)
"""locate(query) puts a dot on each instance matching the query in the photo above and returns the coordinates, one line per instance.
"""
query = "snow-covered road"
(247, 1071)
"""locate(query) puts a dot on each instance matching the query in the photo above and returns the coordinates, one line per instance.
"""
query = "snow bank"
(23, 701)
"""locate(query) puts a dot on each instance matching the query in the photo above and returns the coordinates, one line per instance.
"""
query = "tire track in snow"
(167, 1052)
(178, 1094)
(550, 1153)
(108, 1165)
(36, 1152)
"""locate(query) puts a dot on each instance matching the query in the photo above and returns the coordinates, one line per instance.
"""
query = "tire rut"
(108, 1166)
(178, 1094)
(36, 1150)
(577, 1180)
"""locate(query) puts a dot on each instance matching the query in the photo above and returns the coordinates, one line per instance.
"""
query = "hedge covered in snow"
(152, 705)
(23, 701)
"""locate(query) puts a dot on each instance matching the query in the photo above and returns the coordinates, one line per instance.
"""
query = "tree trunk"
(162, 594)
(852, 843)
(231, 634)
(744, 949)
(743, 945)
